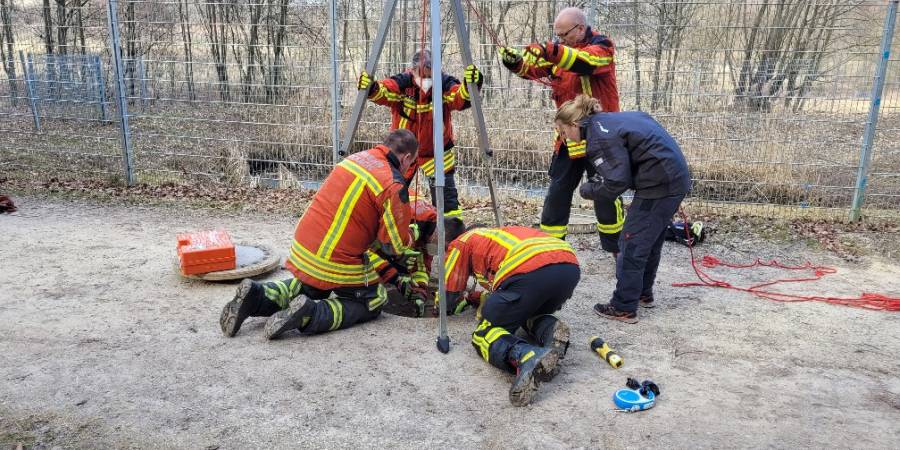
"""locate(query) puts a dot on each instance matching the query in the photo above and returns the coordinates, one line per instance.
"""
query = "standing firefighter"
(362, 205)
(408, 95)
(578, 61)
(630, 150)
(530, 275)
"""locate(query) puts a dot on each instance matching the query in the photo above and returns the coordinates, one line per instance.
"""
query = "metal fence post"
(101, 88)
(29, 88)
(865, 155)
(113, 21)
(335, 85)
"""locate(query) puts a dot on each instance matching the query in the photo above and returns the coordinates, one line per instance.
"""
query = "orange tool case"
(205, 251)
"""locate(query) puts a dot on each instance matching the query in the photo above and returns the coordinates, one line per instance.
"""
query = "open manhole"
(399, 305)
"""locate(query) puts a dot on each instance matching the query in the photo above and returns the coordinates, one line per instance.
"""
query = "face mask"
(424, 83)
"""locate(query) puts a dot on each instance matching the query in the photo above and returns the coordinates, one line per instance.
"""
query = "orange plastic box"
(205, 251)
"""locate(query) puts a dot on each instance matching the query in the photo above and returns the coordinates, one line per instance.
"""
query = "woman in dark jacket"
(630, 150)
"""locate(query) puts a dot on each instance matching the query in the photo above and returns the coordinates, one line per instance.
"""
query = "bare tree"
(184, 19)
(7, 42)
(784, 50)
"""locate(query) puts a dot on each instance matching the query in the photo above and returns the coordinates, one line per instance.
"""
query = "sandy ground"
(104, 346)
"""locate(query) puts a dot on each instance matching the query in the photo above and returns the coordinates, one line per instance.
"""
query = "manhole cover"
(251, 261)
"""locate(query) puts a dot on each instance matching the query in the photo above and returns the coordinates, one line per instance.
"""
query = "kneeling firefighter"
(530, 275)
(630, 150)
(361, 206)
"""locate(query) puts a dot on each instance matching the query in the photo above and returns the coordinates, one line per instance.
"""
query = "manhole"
(399, 305)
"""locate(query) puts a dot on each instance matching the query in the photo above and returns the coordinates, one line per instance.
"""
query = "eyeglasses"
(562, 36)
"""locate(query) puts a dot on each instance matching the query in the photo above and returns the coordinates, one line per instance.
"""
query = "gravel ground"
(105, 346)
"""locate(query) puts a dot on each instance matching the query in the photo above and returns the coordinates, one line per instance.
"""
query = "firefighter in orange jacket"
(408, 95)
(362, 205)
(530, 275)
(578, 61)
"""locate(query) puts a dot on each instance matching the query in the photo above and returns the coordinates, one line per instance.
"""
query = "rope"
(496, 39)
(866, 301)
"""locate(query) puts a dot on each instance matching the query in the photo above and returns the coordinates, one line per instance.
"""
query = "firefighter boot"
(295, 316)
(249, 300)
(549, 331)
(533, 365)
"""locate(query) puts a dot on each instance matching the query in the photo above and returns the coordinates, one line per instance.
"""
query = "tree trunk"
(7, 40)
(62, 27)
(184, 17)
(637, 54)
(48, 27)
(80, 21)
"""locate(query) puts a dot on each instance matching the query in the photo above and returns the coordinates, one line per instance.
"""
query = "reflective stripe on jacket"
(361, 205)
(492, 255)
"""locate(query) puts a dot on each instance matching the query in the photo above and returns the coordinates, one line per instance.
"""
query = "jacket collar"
(391, 157)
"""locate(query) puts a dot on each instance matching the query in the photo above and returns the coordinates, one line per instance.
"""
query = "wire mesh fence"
(769, 99)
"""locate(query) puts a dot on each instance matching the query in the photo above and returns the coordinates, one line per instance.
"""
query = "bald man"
(578, 61)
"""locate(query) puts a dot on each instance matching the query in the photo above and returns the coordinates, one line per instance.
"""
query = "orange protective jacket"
(362, 205)
(494, 254)
(412, 109)
(587, 68)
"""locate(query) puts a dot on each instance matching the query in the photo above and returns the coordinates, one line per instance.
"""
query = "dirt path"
(103, 345)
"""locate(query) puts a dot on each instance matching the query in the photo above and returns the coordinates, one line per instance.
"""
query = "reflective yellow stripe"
(338, 268)
(391, 225)
(526, 252)
(450, 264)
(380, 298)
(568, 58)
(449, 163)
(557, 231)
(453, 213)
(402, 124)
(382, 92)
(337, 313)
(375, 260)
(576, 149)
(318, 272)
(367, 177)
(341, 219)
(332, 272)
(610, 229)
(503, 238)
(464, 92)
(479, 341)
(620, 220)
(527, 356)
(586, 85)
(596, 61)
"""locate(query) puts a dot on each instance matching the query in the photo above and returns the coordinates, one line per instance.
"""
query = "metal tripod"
(443, 341)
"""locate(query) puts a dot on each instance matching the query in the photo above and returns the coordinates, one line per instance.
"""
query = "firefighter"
(530, 275)
(630, 150)
(578, 61)
(408, 95)
(362, 205)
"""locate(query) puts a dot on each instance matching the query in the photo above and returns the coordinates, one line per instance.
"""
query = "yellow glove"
(365, 81)
(472, 75)
(414, 231)
(509, 56)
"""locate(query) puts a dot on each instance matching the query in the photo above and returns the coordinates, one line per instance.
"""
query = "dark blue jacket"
(631, 150)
